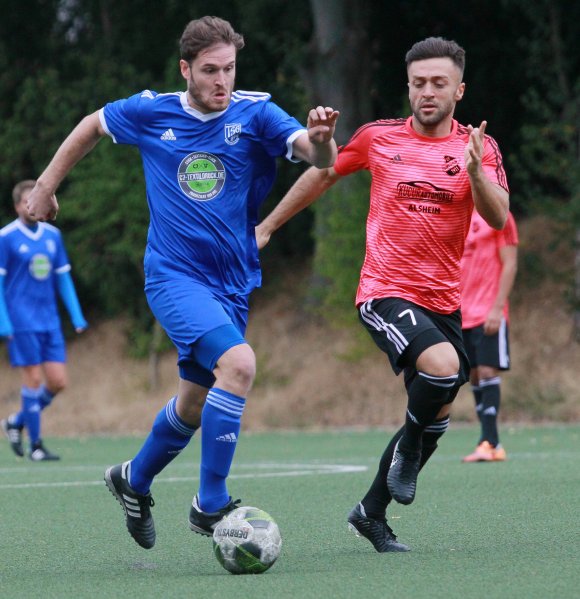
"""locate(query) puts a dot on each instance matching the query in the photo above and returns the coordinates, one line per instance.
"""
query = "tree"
(548, 162)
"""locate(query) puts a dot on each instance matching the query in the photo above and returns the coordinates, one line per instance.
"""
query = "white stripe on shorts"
(376, 321)
(504, 358)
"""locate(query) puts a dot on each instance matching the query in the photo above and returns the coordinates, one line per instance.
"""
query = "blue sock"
(46, 396)
(17, 419)
(220, 425)
(31, 412)
(169, 435)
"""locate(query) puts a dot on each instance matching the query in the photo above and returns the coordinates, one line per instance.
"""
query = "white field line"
(261, 470)
(258, 469)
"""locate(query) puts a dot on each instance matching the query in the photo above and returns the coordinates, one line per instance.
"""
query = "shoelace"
(145, 503)
(228, 508)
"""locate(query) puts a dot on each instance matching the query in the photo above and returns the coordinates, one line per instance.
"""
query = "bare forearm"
(309, 187)
(491, 200)
(82, 139)
(323, 155)
(506, 284)
(507, 276)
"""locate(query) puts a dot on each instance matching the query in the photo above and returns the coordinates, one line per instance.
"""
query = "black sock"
(431, 435)
(477, 396)
(378, 497)
(427, 395)
(478, 406)
(490, 400)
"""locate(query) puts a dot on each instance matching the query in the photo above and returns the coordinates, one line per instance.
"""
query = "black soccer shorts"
(488, 350)
(403, 330)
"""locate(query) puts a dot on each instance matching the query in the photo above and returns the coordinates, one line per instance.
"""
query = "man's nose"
(220, 78)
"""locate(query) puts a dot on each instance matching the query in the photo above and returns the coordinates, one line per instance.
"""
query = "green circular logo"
(40, 267)
(201, 176)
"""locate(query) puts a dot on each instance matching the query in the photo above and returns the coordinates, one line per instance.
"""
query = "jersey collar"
(196, 113)
(31, 234)
(436, 140)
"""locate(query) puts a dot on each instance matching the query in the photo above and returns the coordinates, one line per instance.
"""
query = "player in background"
(34, 269)
(488, 272)
(209, 158)
(427, 173)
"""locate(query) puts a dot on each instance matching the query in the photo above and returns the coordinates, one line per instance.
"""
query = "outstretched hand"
(42, 204)
(321, 124)
(474, 148)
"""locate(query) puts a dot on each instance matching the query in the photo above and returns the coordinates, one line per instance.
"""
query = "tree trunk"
(339, 70)
(338, 74)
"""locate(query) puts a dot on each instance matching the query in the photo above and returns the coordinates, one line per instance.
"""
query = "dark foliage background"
(61, 59)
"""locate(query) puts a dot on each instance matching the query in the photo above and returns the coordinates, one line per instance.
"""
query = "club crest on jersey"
(232, 133)
(39, 267)
(201, 176)
(451, 166)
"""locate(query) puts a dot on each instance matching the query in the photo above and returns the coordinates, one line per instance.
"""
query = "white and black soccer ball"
(247, 541)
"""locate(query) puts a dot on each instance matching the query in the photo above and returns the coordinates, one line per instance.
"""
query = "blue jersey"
(30, 260)
(206, 176)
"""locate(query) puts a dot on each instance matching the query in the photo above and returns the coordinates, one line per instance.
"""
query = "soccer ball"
(247, 541)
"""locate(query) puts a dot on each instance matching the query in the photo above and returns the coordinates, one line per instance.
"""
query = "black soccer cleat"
(137, 507)
(39, 453)
(402, 475)
(204, 523)
(378, 532)
(14, 435)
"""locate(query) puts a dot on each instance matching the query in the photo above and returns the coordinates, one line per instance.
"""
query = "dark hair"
(20, 188)
(203, 33)
(437, 47)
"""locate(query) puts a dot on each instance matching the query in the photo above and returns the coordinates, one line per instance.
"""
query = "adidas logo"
(397, 158)
(23, 248)
(228, 438)
(168, 135)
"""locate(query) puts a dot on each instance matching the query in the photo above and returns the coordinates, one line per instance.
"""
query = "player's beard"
(204, 101)
(433, 119)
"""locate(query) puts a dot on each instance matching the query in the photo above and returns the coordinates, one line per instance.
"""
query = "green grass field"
(509, 530)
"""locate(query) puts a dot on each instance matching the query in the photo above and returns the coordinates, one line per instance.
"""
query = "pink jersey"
(481, 268)
(420, 210)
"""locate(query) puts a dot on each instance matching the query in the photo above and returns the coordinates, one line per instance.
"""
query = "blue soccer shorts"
(201, 323)
(36, 347)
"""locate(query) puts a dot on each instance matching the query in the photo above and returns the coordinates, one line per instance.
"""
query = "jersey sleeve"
(279, 130)
(3, 255)
(492, 163)
(354, 155)
(122, 119)
(61, 262)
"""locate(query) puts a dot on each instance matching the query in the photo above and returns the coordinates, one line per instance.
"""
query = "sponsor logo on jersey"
(201, 176)
(424, 191)
(40, 267)
(168, 136)
(232, 133)
(451, 166)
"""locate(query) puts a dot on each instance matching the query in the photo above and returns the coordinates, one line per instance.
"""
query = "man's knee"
(439, 360)
(237, 368)
(486, 372)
